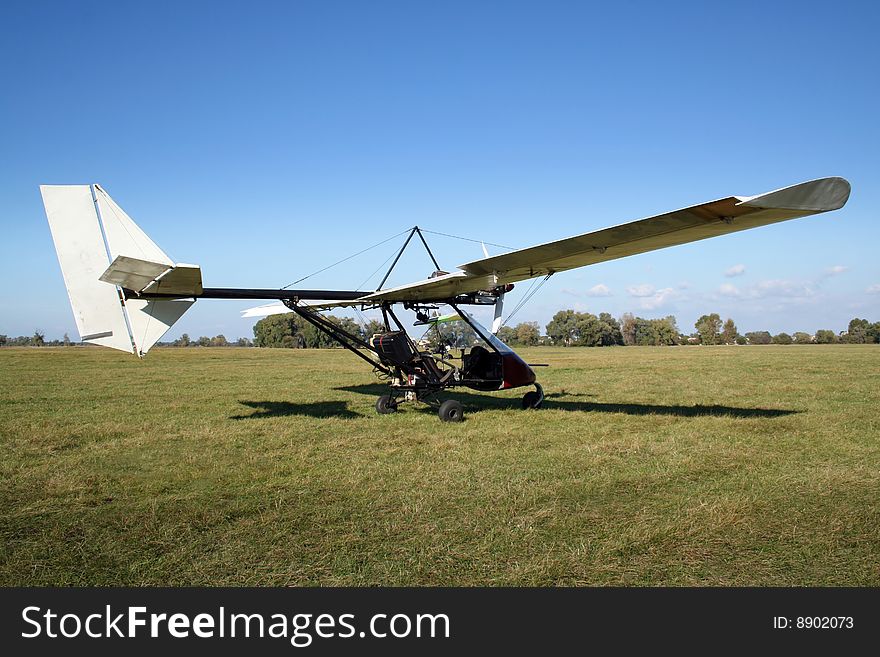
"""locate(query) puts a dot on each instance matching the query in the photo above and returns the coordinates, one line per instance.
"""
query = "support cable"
(531, 292)
(467, 239)
(354, 255)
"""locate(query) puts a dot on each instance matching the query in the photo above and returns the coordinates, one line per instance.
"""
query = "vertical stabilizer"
(124, 237)
(79, 243)
(90, 232)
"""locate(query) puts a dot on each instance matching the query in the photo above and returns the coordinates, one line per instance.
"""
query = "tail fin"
(101, 250)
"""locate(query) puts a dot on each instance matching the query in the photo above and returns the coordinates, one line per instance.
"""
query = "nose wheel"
(533, 398)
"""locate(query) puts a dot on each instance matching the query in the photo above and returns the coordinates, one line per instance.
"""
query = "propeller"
(496, 320)
(499, 301)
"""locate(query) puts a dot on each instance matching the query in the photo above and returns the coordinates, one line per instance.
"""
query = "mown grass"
(648, 466)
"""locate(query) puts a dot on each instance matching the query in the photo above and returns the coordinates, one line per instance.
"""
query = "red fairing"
(516, 372)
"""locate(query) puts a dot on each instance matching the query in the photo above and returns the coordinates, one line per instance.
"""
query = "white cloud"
(571, 292)
(835, 270)
(659, 298)
(736, 270)
(728, 290)
(782, 288)
(600, 290)
(873, 289)
(774, 288)
(644, 290)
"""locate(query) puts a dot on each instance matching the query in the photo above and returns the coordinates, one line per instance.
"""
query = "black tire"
(531, 400)
(451, 411)
(386, 404)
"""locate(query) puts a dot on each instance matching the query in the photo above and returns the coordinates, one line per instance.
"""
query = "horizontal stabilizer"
(133, 273)
(182, 279)
(154, 277)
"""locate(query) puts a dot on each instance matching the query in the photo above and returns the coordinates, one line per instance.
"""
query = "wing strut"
(351, 342)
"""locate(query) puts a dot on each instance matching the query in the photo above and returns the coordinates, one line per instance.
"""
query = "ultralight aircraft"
(126, 292)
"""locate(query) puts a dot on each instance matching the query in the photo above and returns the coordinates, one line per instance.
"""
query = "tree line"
(567, 328)
(570, 328)
(710, 330)
(204, 341)
(38, 339)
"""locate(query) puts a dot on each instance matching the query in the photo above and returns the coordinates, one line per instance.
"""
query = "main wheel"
(531, 400)
(451, 411)
(386, 404)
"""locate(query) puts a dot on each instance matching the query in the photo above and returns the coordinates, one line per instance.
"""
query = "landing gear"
(451, 411)
(533, 398)
(386, 404)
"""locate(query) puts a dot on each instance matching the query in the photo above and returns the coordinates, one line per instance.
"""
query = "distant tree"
(802, 338)
(824, 336)
(527, 333)
(204, 341)
(563, 329)
(569, 328)
(729, 332)
(782, 338)
(873, 333)
(459, 334)
(39, 339)
(66, 340)
(3, 340)
(709, 328)
(348, 325)
(741, 339)
(644, 332)
(507, 335)
(667, 331)
(372, 327)
(609, 329)
(656, 332)
(759, 337)
(271, 331)
(219, 341)
(182, 341)
(309, 337)
(628, 329)
(244, 342)
(857, 332)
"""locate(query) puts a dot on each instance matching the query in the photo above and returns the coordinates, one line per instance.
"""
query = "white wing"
(728, 215)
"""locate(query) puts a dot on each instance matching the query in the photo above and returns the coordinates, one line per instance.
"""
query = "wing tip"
(820, 195)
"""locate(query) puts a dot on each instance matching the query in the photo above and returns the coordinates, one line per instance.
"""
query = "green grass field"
(647, 466)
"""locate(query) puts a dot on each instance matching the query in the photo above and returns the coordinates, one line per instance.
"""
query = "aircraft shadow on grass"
(474, 403)
(559, 401)
(323, 409)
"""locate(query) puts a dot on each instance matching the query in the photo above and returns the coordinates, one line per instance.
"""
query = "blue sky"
(265, 140)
